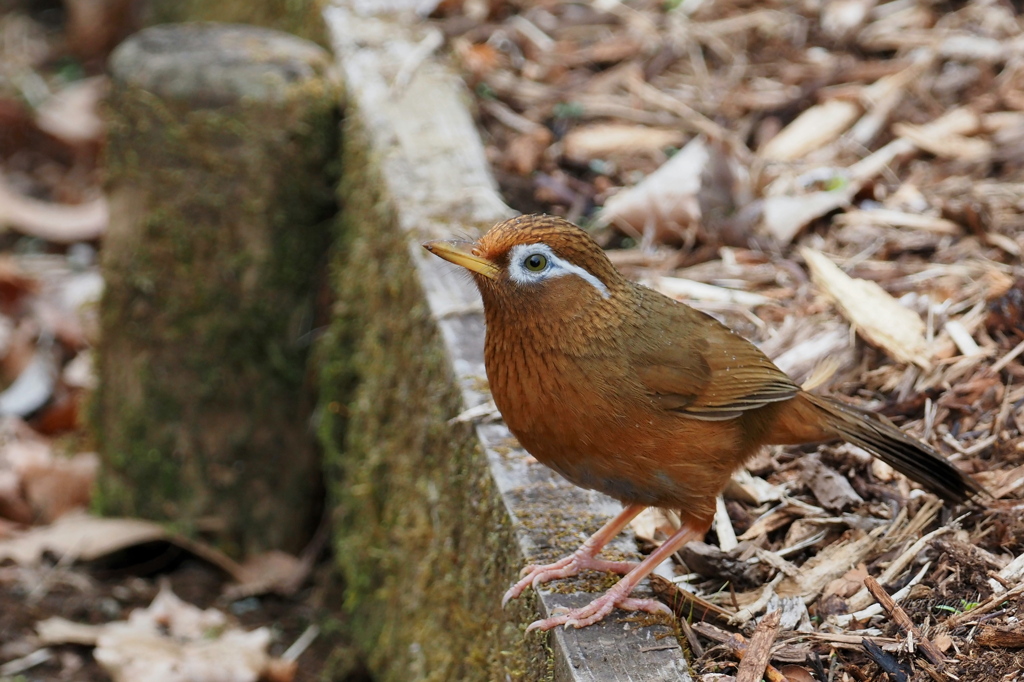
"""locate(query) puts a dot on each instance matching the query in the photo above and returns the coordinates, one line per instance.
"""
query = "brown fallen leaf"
(831, 488)
(604, 140)
(15, 285)
(273, 571)
(876, 315)
(79, 536)
(61, 485)
(19, 347)
(664, 204)
(811, 130)
(654, 525)
(796, 673)
(848, 584)
(58, 223)
(479, 59)
(72, 113)
(784, 216)
(13, 505)
(525, 151)
(62, 413)
(171, 641)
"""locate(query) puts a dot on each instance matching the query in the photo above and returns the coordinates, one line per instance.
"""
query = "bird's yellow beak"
(461, 253)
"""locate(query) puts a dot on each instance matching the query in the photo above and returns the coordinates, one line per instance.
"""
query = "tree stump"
(220, 140)
(301, 17)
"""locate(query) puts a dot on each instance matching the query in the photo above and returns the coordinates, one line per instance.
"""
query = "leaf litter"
(843, 183)
(78, 594)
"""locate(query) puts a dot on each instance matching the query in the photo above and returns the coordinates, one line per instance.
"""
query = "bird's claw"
(528, 569)
(536, 575)
(597, 610)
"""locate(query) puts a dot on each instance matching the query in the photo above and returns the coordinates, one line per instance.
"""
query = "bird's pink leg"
(619, 594)
(583, 558)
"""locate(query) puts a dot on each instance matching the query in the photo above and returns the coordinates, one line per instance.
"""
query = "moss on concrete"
(219, 226)
(422, 537)
(300, 17)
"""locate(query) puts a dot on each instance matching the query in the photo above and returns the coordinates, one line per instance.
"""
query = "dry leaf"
(751, 489)
(170, 641)
(943, 641)
(52, 485)
(830, 487)
(57, 223)
(829, 564)
(62, 414)
(849, 584)
(664, 203)
(71, 114)
(19, 348)
(57, 630)
(796, 673)
(80, 372)
(603, 140)
(15, 284)
(78, 536)
(526, 150)
(811, 130)
(786, 215)
(479, 59)
(952, 146)
(273, 571)
(689, 290)
(841, 18)
(61, 486)
(654, 525)
(13, 505)
(876, 315)
(34, 385)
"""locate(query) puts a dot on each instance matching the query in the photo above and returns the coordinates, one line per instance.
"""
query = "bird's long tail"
(884, 440)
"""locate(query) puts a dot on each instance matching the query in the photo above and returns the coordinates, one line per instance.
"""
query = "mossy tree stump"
(300, 17)
(221, 139)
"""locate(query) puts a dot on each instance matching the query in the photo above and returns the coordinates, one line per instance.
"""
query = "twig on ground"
(930, 651)
(759, 648)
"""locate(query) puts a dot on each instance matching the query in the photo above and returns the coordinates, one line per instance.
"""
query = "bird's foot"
(617, 596)
(565, 567)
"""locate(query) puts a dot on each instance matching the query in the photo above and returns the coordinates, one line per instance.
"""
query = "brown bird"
(625, 391)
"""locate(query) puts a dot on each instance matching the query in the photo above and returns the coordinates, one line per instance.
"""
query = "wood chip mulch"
(842, 182)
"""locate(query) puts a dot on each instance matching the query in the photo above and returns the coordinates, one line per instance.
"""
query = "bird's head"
(535, 259)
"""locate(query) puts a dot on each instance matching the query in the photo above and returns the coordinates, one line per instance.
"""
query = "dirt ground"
(101, 593)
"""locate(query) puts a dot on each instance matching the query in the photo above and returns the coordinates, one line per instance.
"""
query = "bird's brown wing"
(705, 370)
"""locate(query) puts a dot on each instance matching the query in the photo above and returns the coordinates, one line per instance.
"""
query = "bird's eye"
(535, 262)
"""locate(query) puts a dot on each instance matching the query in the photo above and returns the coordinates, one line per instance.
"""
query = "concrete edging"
(469, 505)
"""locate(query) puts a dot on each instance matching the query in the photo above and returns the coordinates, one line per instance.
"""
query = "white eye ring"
(548, 266)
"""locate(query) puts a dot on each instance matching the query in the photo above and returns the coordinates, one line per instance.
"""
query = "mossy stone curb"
(435, 516)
